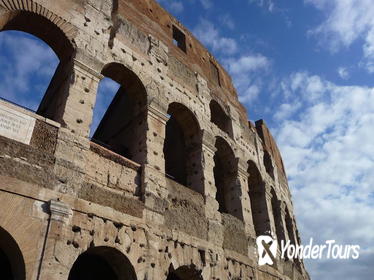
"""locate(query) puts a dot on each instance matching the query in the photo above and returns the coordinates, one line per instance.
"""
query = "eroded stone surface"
(144, 199)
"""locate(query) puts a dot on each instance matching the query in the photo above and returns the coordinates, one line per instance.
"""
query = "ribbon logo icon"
(267, 250)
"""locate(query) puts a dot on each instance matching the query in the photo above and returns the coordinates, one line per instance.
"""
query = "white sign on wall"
(16, 125)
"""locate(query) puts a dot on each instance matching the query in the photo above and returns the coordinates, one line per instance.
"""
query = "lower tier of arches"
(45, 238)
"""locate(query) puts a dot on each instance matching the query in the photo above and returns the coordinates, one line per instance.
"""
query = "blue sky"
(307, 68)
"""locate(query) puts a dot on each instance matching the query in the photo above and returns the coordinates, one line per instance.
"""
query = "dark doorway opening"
(12, 265)
(220, 118)
(225, 174)
(123, 126)
(184, 273)
(268, 164)
(182, 147)
(5, 267)
(257, 196)
(100, 263)
(91, 267)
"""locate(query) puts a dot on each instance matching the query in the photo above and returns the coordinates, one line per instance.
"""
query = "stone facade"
(174, 184)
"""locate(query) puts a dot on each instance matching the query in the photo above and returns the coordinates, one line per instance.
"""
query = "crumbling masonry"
(175, 182)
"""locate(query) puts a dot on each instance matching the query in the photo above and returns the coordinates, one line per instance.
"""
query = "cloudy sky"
(307, 68)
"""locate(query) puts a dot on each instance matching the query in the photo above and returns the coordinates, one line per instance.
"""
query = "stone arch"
(102, 263)
(291, 231)
(12, 265)
(277, 214)
(123, 127)
(40, 27)
(257, 195)
(225, 176)
(290, 227)
(186, 272)
(30, 17)
(220, 118)
(268, 164)
(182, 147)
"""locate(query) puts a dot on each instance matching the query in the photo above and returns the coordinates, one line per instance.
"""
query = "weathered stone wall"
(63, 196)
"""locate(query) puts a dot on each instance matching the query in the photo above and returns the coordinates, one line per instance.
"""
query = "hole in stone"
(179, 39)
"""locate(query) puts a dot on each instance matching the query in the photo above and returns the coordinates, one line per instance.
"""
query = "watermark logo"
(267, 250)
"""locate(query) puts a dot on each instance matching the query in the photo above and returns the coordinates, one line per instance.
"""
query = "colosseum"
(174, 184)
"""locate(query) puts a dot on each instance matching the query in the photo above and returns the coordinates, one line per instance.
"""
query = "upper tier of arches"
(125, 125)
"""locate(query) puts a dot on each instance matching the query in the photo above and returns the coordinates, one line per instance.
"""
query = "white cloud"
(343, 73)
(286, 110)
(325, 133)
(172, 5)
(247, 64)
(206, 3)
(227, 21)
(26, 68)
(268, 4)
(250, 94)
(210, 36)
(347, 21)
(246, 71)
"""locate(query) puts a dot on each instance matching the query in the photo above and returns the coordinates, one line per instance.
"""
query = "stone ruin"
(175, 183)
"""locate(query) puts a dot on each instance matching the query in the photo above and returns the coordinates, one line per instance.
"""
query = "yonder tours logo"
(267, 248)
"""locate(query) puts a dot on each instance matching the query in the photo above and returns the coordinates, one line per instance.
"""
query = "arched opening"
(256, 187)
(106, 92)
(182, 147)
(122, 128)
(291, 235)
(102, 263)
(40, 27)
(277, 214)
(5, 267)
(12, 265)
(290, 228)
(219, 117)
(225, 173)
(184, 273)
(268, 164)
(30, 51)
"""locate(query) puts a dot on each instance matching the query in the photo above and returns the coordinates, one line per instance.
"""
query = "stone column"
(269, 208)
(215, 228)
(283, 218)
(78, 110)
(245, 208)
(51, 268)
(76, 117)
(294, 229)
(297, 261)
(153, 175)
(278, 213)
(236, 200)
(245, 202)
(210, 190)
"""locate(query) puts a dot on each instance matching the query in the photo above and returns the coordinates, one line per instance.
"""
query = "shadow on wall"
(182, 148)
(184, 273)
(257, 196)
(225, 174)
(220, 118)
(99, 263)
(12, 265)
(122, 128)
